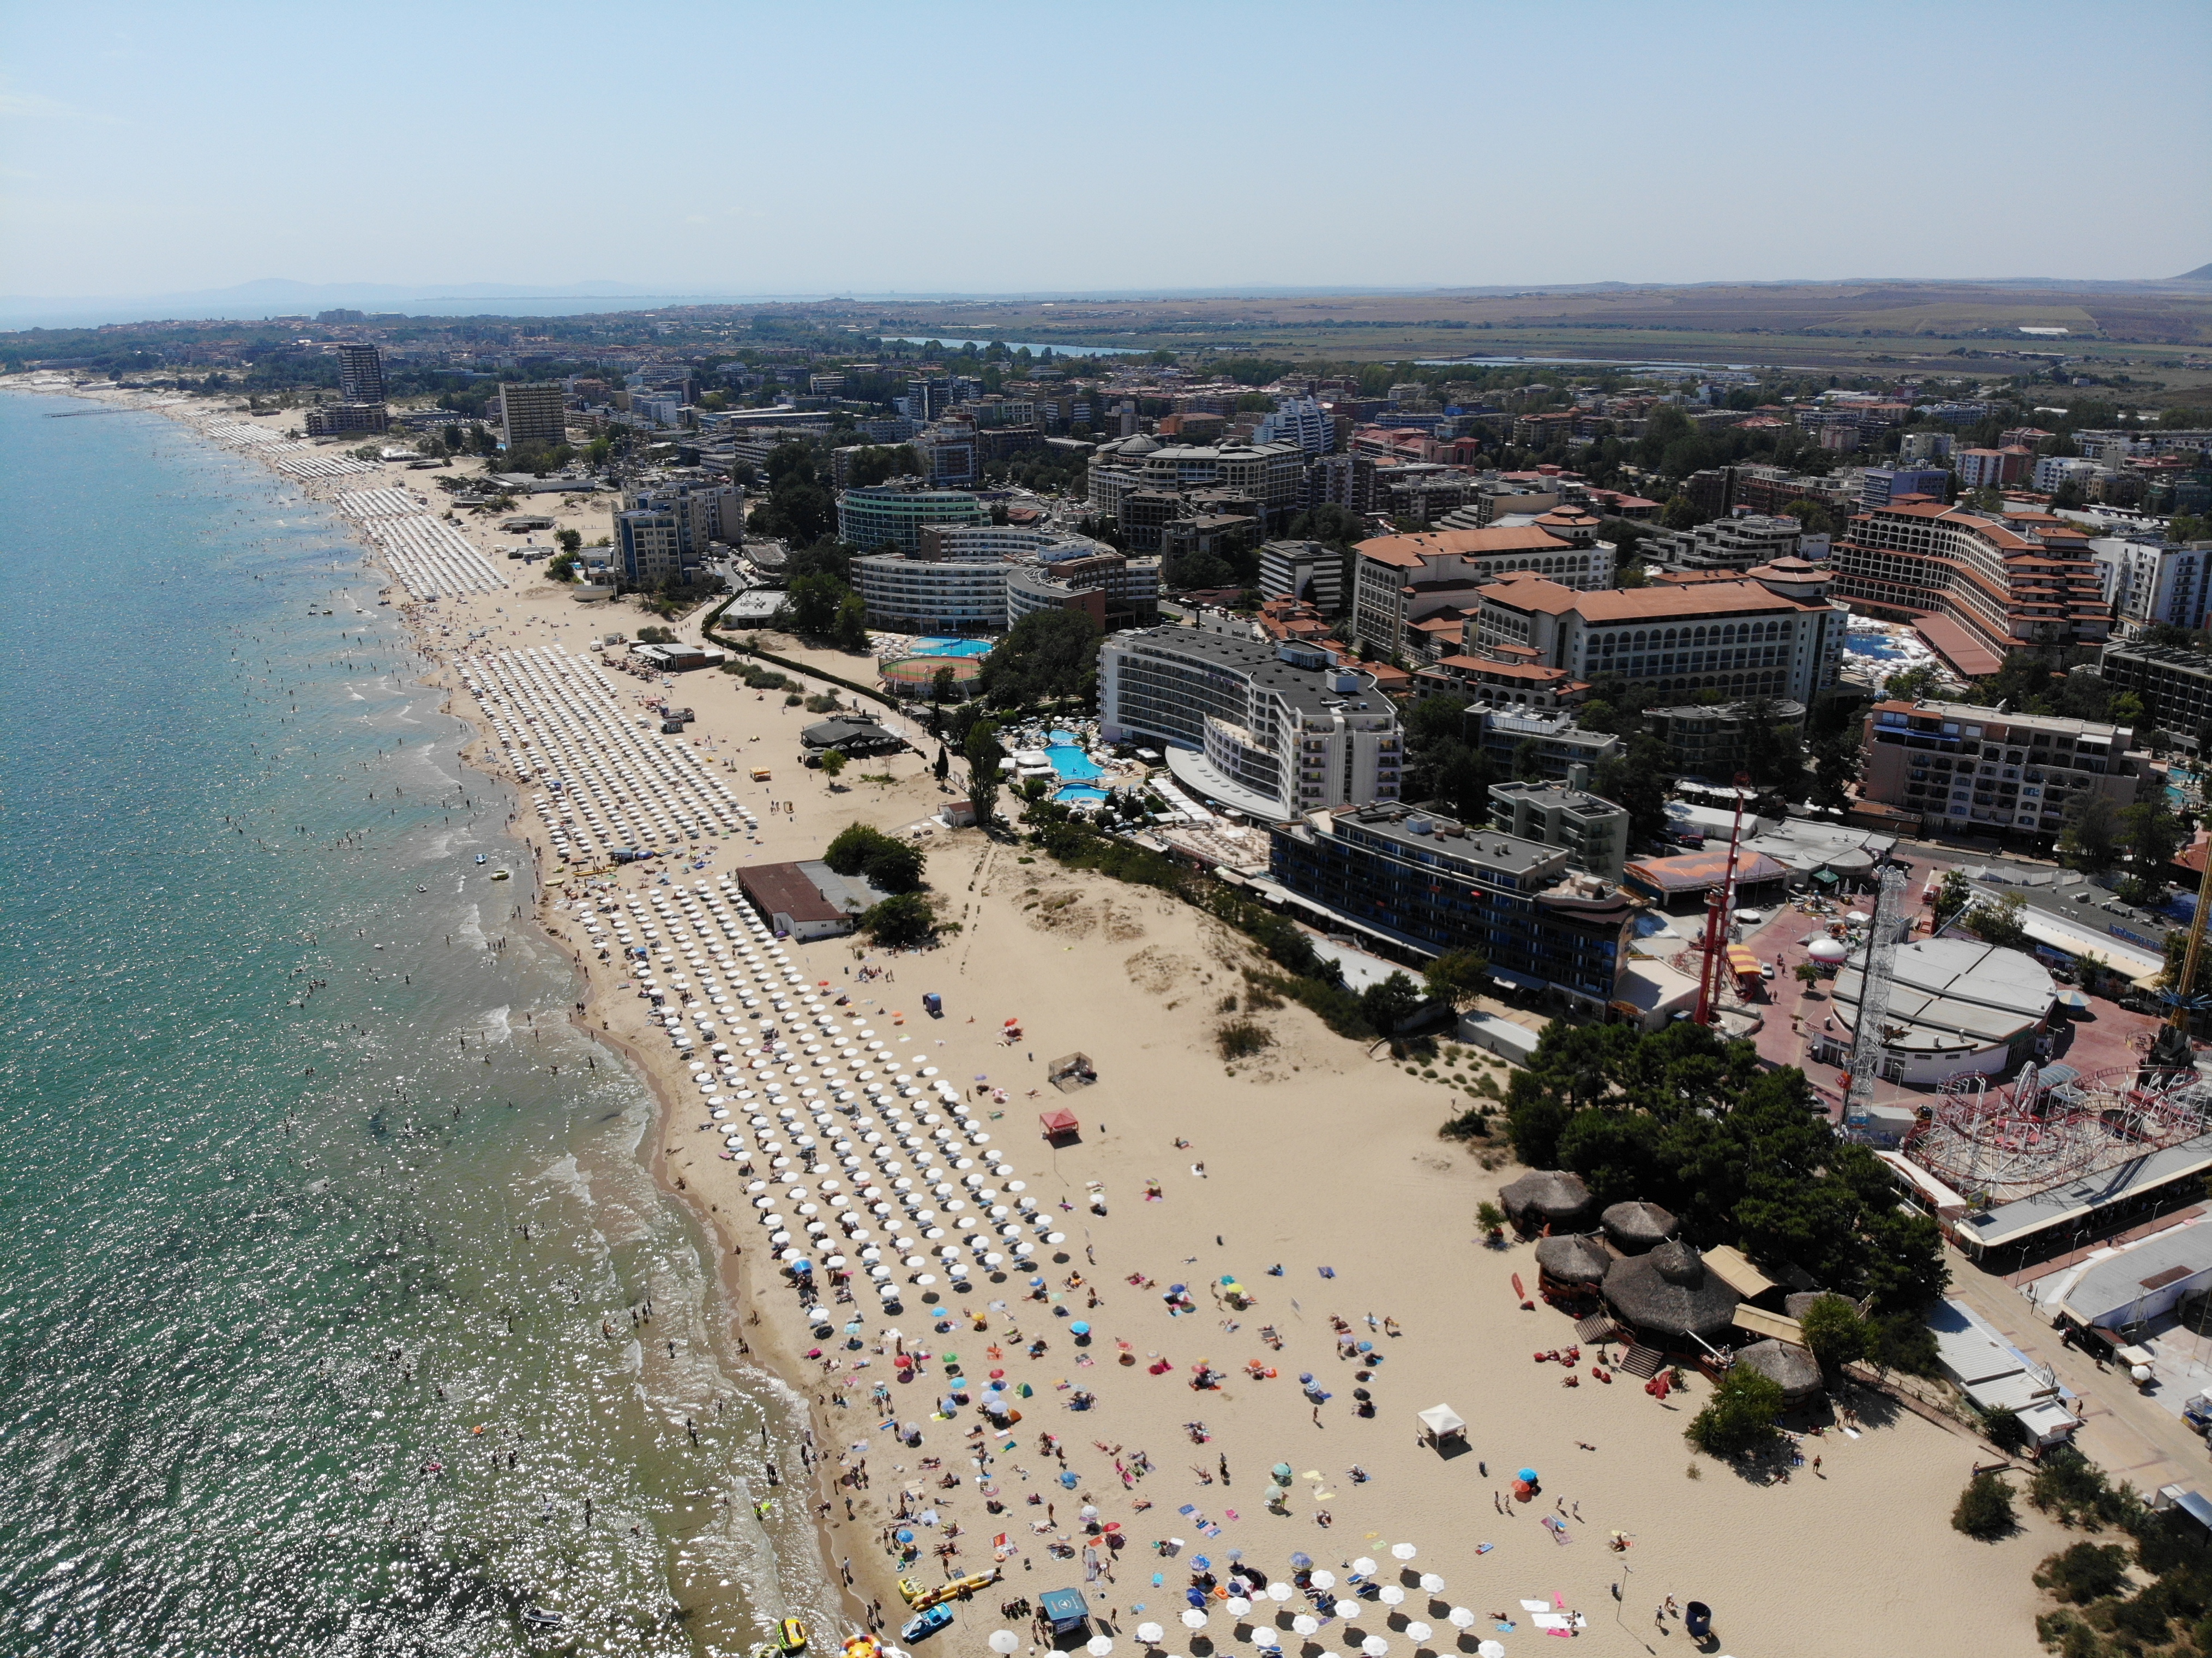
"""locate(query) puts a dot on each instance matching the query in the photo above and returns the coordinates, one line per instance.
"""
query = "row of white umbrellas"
(834, 1139)
(1304, 1625)
(557, 720)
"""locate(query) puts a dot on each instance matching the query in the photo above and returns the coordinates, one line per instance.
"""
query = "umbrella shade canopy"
(1099, 1645)
(1432, 1584)
(1669, 1294)
(1265, 1638)
(1056, 1123)
(1004, 1641)
(1393, 1595)
(1374, 1646)
(1304, 1624)
(1790, 1366)
(1282, 1472)
(1193, 1618)
(1279, 1591)
(1632, 1228)
(1490, 1649)
(1364, 1566)
(1403, 1550)
(1151, 1634)
(1236, 1605)
(1419, 1631)
(1547, 1197)
(1575, 1261)
(1461, 1617)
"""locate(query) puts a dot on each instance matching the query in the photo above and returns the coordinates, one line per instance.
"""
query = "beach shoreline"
(1311, 1157)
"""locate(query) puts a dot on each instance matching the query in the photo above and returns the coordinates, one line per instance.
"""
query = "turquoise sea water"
(325, 1310)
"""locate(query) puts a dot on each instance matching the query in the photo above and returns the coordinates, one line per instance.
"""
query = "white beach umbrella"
(1419, 1631)
(1460, 1618)
(1374, 1646)
(1346, 1609)
(1193, 1618)
(1279, 1590)
(1305, 1623)
(1432, 1584)
(1393, 1595)
(1151, 1634)
(1403, 1550)
(1490, 1649)
(1099, 1645)
(1322, 1580)
(1364, 1567)
(1004, 1641)
(1266, 1639)
(1236, 1605)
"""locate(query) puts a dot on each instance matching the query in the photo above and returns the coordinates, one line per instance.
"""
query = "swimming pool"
(1080, 792)
(1070, 762)
(952, 647)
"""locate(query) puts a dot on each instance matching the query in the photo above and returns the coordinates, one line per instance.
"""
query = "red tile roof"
(1407, 552)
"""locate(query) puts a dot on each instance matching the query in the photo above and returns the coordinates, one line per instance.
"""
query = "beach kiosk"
(1059, 1124)
(1065, 1610)
(1441, 1427)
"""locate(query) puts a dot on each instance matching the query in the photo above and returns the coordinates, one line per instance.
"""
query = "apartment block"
(1272, 730)
(1774, 634)
(360, 375)
(1974, 767)
(533, 414)
(1594, 831)
(1403, 580)
(2147, 579)
(2175, 686)
(1427, 881)
(898, 513)
(2007, 581)
(1303, 570)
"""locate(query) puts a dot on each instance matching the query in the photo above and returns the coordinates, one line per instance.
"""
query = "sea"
(340, 1314)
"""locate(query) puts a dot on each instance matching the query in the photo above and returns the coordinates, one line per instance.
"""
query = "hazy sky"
(855, 146)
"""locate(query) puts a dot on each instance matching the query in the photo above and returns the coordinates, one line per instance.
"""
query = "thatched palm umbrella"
(1635, 1227)
(1795, 1305)
(1786, 1362)
(1547, 1197)
(1574, 1262)
(1667, 1296)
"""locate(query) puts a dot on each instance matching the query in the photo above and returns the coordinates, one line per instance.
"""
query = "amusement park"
(2027, 1116)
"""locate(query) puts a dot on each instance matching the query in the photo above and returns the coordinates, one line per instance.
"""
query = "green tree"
(983, 755)
(1047, 655)
(1456, 977)
(570, 541)
(1835, 1333)
(1389, 1004)
(943, 766)
(1815, 518)
(889, 863)
(1740, 1418)
(814, 603)
(851, 629)
(1808, 973)
(1636, 780)
(2152, 833)
(2084, 1572)
(1985, 1511)
(903, 922)
(1952, 895)
(1774, 754)
(1911, 684)
(1680, 513)
(833, 762)
(1998, 921)
(2090, 839)
(943, 687)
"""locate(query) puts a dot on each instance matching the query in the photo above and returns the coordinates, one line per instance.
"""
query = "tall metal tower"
(1888, 926)
(1720, 916)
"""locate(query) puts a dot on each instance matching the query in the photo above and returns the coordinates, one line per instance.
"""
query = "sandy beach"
(1311, 1175)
